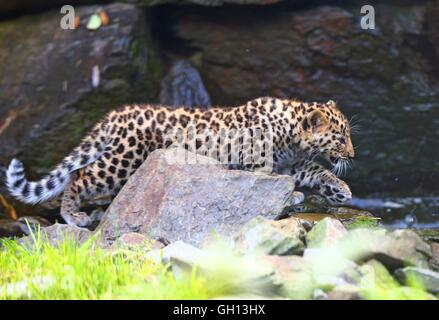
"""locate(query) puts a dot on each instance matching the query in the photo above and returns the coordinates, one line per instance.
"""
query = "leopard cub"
(295, 132)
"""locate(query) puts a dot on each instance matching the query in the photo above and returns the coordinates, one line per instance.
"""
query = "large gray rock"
(47, 99)
(169, 199)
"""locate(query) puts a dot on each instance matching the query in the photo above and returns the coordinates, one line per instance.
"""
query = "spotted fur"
(118, 145)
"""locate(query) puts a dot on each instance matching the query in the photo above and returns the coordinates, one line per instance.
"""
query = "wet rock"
(322, 53)
(48, 102)
(394, 249)
(315, 208)
(58, 233)
(183, 87)
(263, 236)
(326, 232)
(170, 198)
(426, 279)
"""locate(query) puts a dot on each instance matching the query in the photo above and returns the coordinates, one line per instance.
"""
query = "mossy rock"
(45, 88)
(315, 209)
(429, 234)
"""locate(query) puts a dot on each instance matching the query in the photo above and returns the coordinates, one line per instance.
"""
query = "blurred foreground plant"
(72, 271)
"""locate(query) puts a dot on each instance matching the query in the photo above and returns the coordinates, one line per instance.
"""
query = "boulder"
(377, 283)
(383, 76)
(46, 92)
(183, 86)
(187, 200)
(263, 236)
(58, 233)
(423, 278)
(394, 249)
(293, 274)
(326, 232)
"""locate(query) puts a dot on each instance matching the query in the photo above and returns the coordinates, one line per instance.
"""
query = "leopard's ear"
(316, 121)
(331, 103)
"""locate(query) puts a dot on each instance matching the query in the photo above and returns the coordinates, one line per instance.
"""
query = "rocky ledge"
(181, 207)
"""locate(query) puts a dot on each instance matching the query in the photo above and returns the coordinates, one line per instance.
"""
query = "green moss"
(429, 234)
(378, 284)
(361, 222)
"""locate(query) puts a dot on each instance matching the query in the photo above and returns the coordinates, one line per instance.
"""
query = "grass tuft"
(72, 271)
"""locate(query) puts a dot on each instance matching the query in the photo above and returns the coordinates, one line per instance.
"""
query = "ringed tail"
(53, 184)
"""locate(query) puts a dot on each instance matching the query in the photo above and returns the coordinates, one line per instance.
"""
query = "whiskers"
(341, 166)
(354, 124)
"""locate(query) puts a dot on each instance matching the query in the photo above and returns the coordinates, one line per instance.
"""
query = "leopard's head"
(327, 132)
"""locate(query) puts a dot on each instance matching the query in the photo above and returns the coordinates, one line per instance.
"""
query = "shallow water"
(407, 212)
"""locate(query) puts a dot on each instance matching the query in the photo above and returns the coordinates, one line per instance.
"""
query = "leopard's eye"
(342, 140)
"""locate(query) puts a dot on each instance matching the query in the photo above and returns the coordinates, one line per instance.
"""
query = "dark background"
(388, 78)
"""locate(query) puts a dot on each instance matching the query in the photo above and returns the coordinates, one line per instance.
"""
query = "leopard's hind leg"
(92, 182)
(71, 202)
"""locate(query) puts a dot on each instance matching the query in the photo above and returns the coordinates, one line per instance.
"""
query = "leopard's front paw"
(336, 191)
